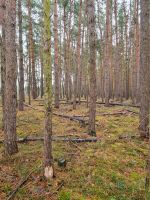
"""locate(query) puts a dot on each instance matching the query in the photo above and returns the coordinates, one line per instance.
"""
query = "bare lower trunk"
(48, 160)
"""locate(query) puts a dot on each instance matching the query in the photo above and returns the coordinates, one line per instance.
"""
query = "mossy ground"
(111, 169)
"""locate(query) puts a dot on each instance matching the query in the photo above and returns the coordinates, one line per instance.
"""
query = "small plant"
(7, 188)
(64, 195)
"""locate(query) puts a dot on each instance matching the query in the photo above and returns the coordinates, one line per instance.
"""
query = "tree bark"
(21, 68)
(48, 158)
(10, 79)
(56, 63)
(78, 57)
(31, 52)
(144, 70)
(41, 78)
(107, 52)
(3, 60)
(92, 65)
(65, 57)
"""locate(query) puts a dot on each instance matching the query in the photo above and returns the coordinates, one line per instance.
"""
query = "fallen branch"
(124, 112)
(134, 112)
(74, 118)
(114, 104)
(23, 181)
(120, 104)
(74, 144)
(27, 105)
(128, 137)
(98, 102)
(76, 140)
(56, 190)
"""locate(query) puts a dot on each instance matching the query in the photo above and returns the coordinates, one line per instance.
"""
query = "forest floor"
(113, 168)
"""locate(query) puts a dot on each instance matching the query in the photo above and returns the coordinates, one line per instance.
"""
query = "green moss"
(64, 195)
(6, 188)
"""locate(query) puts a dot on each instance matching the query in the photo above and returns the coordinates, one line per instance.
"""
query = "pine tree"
(21, 68)
(144, 70)
(56, 63)
(10, 79)
(92, 65)
(48, 159)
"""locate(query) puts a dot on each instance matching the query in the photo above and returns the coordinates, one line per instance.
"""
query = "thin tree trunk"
(65, 58)
(117, 78)
(78, 56)
(107, 52)
(31, 51)
(48, 159)
(29, 72)
(92, 65)
(137, 50)
(56, 63)
(21, 69)
(144, 70)
(41, 79)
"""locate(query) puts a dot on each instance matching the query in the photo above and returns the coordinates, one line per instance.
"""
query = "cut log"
(123, 112)
(76, 140)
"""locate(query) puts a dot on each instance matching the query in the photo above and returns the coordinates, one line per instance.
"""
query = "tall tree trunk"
(31, 52)
(10, 79)
(21, 68)
(41, 78)
(3, 60)
(29, 71)
(65, 58)
(127, 62)
(117, 78)
(56, 63)
(79, 49)
(71, 2)
(144, 70)
(107, 52)
(137, 34)
(78, 57)
(92, 65)
(48, 159)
